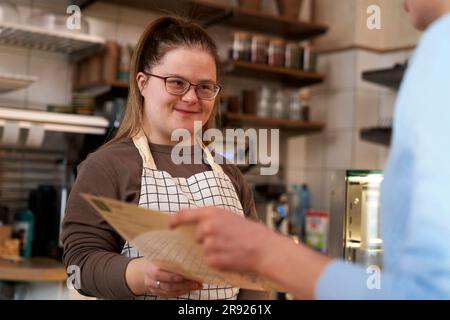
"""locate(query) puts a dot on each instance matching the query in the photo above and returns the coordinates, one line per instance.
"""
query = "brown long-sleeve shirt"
(92, 244)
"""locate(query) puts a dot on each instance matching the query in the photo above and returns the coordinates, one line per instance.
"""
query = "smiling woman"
(173, 85)
(175, 103)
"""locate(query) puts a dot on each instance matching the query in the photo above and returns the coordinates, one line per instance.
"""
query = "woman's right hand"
(144, 277)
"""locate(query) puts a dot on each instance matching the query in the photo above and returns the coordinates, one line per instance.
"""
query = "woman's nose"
(190, 95)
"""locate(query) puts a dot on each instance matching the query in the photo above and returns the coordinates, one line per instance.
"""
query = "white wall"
(346, 103)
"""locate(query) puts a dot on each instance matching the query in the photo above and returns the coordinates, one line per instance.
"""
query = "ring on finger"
(158, 284)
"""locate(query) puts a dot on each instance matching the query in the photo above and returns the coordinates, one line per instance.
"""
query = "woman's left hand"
(230, 241)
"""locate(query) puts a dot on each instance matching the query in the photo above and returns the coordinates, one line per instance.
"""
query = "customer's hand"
(230, 241)
(145, 277)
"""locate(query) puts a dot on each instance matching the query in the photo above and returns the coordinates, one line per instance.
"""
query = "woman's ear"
(141, 80)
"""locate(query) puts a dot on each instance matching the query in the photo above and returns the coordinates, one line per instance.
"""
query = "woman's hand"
(144, 277)
(230, 242)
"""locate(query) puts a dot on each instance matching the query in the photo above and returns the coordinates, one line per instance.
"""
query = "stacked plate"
(10, 82)
(83, 104)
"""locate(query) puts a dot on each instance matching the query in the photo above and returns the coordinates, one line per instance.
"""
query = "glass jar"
(241, 46)
(278, 107)
(304, 101)
(259, 49)
(295, 107)
(309, 58)
(276, 52)
(263, 103)
(292, 55)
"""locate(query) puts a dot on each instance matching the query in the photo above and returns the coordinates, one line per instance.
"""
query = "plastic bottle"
(305, 205)
(294, 207)
(24, 231)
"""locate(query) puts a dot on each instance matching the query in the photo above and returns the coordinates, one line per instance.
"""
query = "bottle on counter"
(24, 231)
(304, 207)
(294, 209)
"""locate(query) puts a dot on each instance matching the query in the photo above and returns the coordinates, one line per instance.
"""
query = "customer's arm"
(245, 195)
(420, 267)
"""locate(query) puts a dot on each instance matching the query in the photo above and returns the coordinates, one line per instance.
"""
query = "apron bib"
(160, 191)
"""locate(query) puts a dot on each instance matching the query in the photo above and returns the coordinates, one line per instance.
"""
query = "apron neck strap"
(210, 159)
(141, 143)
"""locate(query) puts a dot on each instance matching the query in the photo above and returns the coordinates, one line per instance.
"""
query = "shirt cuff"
(341, 280)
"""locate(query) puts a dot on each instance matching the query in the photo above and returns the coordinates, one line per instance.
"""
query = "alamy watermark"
(374, 279)
(229, 148)
(73, 22)
(373, 21)
(74, 279)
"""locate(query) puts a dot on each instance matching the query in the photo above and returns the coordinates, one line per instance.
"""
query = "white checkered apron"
(160, 191)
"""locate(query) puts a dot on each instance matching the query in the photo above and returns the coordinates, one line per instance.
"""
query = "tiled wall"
(52, 69)
(346, 103)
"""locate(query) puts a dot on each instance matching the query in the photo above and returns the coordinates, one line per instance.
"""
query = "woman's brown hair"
(158, 38)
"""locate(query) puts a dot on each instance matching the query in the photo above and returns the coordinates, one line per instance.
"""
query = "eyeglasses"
(179, 86)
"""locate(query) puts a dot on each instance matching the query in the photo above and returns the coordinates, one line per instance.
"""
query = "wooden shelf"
(33, 269)
(208, 13)
(112, 89)
(391, 77)
(289, 77)
(294, 126)
(379, 135)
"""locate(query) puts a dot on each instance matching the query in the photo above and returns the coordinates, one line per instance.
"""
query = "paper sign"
(171, 249)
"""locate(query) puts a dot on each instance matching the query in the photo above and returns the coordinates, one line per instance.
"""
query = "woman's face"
(423, 12)
(164, 112)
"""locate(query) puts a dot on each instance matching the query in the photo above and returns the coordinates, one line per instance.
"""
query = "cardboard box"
(5, 233)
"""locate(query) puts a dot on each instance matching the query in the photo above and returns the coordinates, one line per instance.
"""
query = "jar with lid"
(305, 109)
(309, 58)
(295, 106)
(263, 102)
(241, 46)
(276, 52)
(259, 49)
(278, 107)
(292, 55)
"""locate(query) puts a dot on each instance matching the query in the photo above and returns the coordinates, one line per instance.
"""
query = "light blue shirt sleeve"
(415, 202)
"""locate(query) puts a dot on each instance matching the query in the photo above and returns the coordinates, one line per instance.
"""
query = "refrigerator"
(355, 217)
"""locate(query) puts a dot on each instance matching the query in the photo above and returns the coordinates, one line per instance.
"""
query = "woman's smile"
(187, 111)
